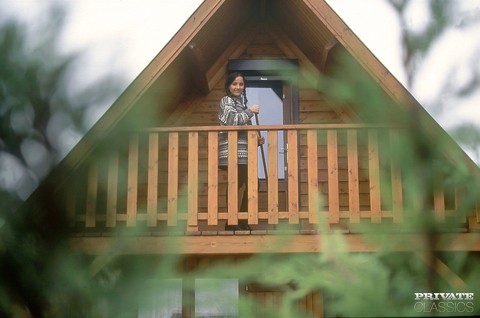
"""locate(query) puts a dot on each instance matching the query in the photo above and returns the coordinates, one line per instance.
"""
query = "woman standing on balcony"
(234, 112)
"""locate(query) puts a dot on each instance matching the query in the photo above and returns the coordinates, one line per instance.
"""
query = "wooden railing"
(169, 178)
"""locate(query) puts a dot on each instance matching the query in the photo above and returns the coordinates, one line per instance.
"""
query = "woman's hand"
(255, 108)
(261, 140)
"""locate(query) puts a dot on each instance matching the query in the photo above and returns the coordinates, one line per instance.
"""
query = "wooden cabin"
(151, 162)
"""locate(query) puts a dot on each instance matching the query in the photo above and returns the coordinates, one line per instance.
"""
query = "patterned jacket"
(233, 112)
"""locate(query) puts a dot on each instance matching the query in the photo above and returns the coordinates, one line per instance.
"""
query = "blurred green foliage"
(41, 276)
(42, 110)
(443, 16)
(42, 115)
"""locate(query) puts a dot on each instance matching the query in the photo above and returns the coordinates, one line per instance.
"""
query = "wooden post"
(132, 192)
(192, 179)
(332, 162)
(292, 156)
(212, 178)
(92, 189)
(374, 177)
(353, 183)
(273, 177)
(152, 192)
(312, 171)
(112, 191)
(397, 186)
(232, 203)
(172, 192)
(252, 177)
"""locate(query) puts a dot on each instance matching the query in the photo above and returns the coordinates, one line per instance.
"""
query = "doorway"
(275, 109)
(272, 84)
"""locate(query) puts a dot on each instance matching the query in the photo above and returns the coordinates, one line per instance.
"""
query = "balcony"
(167, 180)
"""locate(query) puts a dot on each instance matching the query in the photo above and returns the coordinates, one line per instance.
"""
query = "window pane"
(165, 301)
(216, 298)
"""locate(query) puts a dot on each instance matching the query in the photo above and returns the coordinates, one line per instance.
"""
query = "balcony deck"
(167, 182)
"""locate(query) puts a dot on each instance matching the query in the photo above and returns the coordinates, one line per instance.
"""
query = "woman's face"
(237, 86)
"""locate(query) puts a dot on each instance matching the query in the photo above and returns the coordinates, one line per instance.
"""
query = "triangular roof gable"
(197, 55)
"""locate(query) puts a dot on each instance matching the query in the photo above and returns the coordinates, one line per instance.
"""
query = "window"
(213, 298)
(165, 301)
(216, 298)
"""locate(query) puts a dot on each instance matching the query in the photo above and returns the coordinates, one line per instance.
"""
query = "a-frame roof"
(197, 55)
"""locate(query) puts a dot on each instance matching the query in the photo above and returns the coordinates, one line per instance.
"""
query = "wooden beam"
(291, 50)
(248, 244)
(234, 50)
(198, 69)
(325, 52)
(443, 271)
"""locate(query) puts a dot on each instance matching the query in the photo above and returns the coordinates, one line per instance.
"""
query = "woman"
(234, 112)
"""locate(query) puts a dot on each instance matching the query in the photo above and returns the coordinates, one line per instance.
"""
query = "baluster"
(397, 186)
(232, 202)
(374, 177)
(152, 191)
(312, 171)
(272, 137)
(192, 200)
(212, 178)
(92, 191)
(172, 193)
(252, 177)
(292, 156)
(132, 192)
(397, 194)
(112, 186)
(332, 162)
(353, 183)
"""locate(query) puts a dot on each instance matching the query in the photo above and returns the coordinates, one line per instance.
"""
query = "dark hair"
(230, 78)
